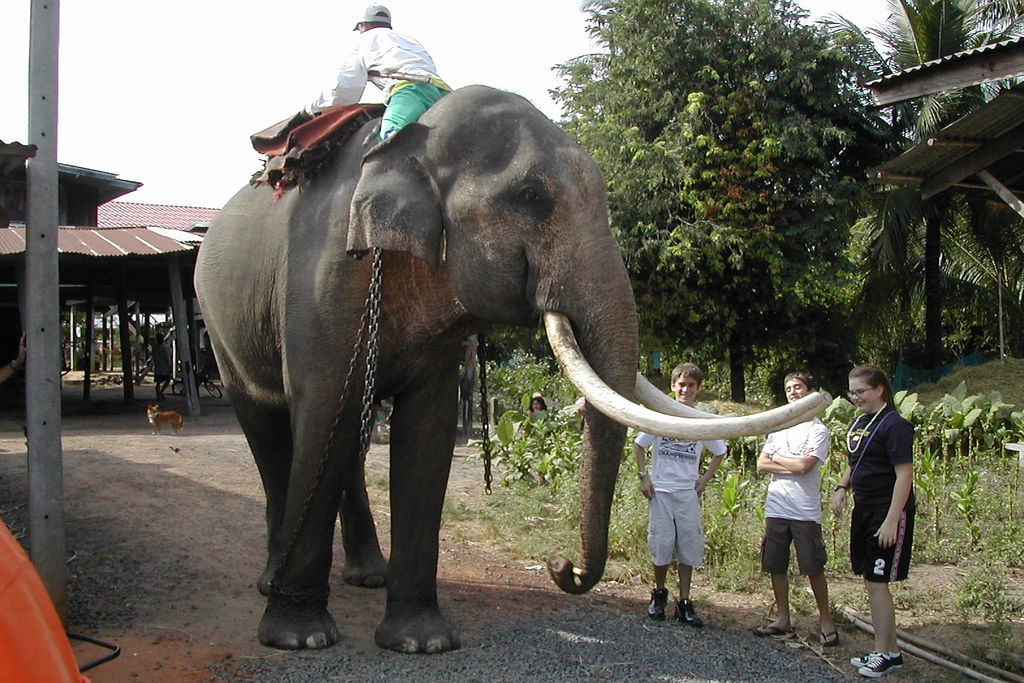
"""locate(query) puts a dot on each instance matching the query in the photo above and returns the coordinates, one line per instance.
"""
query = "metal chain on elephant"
(485, 414)
(372, 313)
(369, 325)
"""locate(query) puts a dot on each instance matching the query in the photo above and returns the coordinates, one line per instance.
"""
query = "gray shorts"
(675, 529)
(810, 546)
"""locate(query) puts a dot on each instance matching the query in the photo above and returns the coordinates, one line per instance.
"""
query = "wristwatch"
(641, 474)
(840, 486)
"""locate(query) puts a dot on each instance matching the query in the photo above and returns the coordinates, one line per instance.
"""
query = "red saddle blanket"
(299, 146)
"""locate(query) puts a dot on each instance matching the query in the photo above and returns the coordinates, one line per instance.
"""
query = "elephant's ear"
(396, 204)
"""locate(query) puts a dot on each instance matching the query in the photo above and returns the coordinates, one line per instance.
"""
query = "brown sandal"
(830, 639)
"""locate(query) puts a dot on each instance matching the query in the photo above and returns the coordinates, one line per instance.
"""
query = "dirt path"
(165, 538)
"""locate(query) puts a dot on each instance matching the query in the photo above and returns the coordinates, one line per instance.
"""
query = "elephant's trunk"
(606, 330)
(597, 484)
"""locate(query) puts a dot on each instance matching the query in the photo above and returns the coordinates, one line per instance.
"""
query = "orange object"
(33, 647)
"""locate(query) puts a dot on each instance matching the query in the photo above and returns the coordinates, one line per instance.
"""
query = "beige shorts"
(675, 529)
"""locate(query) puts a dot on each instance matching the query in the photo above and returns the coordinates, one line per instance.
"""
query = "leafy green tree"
(734, 144)
(904, 258)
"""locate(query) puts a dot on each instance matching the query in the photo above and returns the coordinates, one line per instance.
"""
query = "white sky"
(168, 93)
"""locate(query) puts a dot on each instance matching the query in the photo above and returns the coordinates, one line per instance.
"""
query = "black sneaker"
(659, 599)
(687, 615)
(877, 664)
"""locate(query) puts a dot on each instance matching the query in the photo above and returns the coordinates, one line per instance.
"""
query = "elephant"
(482, 213)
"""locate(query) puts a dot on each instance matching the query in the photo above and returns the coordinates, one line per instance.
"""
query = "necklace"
(855, 436)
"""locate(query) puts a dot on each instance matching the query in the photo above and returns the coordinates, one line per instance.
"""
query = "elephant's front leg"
(423, 427)
(296, 616)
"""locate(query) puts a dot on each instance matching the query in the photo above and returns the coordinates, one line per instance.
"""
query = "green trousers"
(407, 104)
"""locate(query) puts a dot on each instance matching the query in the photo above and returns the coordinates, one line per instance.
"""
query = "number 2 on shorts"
(880, 567)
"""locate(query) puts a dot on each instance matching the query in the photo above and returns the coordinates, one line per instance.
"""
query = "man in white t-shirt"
(673, 488)
(794, 457)
(396, 63)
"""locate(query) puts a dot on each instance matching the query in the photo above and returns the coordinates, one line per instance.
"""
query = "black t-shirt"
(886, 440)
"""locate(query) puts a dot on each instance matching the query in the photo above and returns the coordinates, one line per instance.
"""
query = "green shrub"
(523, 373)
(983, 595)
(542, 448)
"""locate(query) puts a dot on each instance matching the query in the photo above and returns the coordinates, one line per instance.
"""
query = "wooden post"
(105, 355)
(42, 298)
(181, 325)
(1005, 193)
(126, 341)
(90, 313)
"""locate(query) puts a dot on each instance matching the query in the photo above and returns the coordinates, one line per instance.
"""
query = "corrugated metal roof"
(13, 155)
(942, 152)
(912, 71)
(131, 214)
(98, 242)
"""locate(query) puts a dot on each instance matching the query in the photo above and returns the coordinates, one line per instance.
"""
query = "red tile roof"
(129, 214)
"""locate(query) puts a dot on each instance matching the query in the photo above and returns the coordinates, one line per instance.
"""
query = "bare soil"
(165, 541)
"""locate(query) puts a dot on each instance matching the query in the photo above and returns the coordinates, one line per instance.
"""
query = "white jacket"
(381, 51)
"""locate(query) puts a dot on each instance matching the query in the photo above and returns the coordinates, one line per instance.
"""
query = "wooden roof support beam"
(1003, 191)
(970, 164)
(981, 68)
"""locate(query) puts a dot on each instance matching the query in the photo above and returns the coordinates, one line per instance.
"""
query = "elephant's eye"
(534, 199)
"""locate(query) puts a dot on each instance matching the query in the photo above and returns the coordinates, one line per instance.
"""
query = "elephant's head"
(490, 189)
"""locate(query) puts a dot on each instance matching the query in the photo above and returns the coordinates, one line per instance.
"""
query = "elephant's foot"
(427, 632)
(367, 572)
(292, 624)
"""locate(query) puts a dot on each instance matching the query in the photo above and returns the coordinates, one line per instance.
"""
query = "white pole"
(45, 467)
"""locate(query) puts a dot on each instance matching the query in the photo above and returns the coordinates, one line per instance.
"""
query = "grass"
(1007, 379)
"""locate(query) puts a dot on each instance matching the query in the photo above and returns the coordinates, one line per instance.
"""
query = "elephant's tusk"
(655, 399)
(692, 428)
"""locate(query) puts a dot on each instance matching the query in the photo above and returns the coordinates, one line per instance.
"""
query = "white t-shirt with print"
(797, 496)
(676, 464)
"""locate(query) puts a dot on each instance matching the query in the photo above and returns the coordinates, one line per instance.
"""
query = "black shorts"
(806, 535)
(881, 565)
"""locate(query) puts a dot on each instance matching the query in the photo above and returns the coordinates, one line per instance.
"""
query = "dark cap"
(375, 14)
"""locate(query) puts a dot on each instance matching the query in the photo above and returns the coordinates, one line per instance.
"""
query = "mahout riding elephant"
(487, 213)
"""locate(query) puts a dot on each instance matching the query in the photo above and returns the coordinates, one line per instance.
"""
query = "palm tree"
(918, 31)
(988, 253)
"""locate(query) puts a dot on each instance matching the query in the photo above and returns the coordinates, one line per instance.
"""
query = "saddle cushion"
(299, 146)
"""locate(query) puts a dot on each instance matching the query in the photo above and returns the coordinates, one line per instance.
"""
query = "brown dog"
(158, 417)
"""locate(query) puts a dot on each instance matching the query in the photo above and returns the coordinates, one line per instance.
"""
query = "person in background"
(881, 474)
(794, 457)
(396, 63)
(7, 371)
(537, 405)
(673, 488)
(161, 366)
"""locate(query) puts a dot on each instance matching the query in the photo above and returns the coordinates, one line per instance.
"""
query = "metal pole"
(45, 466)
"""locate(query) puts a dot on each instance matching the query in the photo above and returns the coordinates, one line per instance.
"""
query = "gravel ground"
(592, 644)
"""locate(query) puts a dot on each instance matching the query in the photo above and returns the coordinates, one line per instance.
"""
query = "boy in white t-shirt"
(673, 488)
(794, 457)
